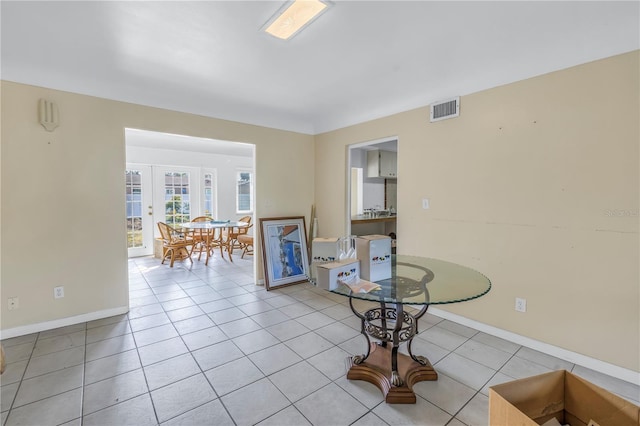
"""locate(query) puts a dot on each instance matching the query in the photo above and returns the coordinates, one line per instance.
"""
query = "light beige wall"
(535, 185)
(63, 195)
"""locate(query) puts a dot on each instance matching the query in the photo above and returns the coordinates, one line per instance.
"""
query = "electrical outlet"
(521, 304)
(13, 303)
(58, 292)
(425, 203)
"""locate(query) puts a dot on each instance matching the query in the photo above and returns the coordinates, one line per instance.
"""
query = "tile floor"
(204, 345)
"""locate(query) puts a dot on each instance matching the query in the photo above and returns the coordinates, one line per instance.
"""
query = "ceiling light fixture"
(294, 16)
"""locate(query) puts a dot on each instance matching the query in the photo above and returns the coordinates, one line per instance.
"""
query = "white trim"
(349, 148)
(214, 192)
(62, 322)
(148, 226)
(573, 357)
(240, 170)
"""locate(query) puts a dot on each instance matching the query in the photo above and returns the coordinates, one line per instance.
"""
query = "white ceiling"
(359, 61)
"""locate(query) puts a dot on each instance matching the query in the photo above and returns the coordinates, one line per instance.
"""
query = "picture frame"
(284, 251)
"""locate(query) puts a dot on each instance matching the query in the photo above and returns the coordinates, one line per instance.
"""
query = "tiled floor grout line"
(292, 403)
(155, 412)
(229, 288)
(219, 398)
(133, 336)
(22, 378)
(105, 379)
(479, 391)
(294, 319)
(137, 346)
(84, 373)
(15, 396)
(368, 410)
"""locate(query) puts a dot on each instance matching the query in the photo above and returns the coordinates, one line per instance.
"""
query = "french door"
(176, 196)
(139, 207)
(172, 195)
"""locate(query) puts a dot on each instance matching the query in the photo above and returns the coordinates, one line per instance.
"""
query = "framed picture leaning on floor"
(284, 251)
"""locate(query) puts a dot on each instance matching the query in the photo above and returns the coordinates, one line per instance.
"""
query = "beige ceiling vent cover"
(448, 108)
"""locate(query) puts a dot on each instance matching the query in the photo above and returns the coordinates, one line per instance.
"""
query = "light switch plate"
(425, 203)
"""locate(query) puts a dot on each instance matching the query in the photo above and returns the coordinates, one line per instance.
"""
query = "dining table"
(415, 284)
(208, 230)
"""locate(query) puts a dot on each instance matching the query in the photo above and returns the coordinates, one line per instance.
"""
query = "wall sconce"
(48, 114)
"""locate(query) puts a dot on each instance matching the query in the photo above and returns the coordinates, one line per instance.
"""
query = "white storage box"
(374, 252)
(330, 273)
(323, 250)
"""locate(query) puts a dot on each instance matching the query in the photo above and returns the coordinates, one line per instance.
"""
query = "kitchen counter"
(368, 219)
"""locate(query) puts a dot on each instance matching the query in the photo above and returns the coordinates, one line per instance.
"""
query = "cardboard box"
(374, 252)
(323, 250)
(330, 273)
(570, 399)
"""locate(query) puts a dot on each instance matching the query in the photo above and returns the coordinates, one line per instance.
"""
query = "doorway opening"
(175, 178)
(372, 182)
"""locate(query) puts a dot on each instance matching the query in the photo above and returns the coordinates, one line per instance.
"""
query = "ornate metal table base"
(377, 370)
(415, 283)
(392, 372)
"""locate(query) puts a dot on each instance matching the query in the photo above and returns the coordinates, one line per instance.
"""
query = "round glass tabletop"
(213, 224)
(424, 281)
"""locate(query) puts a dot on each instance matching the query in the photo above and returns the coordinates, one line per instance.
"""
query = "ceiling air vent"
(445, 109)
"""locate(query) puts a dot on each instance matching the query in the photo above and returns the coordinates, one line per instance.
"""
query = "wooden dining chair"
(174, 244)
(247, 244)
(233, 233)
(2, 361)
(199, 237)
(209, 239)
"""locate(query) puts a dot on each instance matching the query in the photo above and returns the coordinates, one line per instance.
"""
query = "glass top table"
(424, 281)
(205, 231)
(213, 224)
(417, 282)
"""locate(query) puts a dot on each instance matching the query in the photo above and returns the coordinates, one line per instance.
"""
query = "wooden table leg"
(392, 372)
(229, 247)
(210, 233)
(377, 370)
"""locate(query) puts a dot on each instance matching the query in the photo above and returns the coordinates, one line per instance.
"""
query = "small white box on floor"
(323, 250)
(374, 252)
(330, 273)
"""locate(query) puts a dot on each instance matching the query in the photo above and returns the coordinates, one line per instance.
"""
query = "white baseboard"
(62, 322)
(573, 357)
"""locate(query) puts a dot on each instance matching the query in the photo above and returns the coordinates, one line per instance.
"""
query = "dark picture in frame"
(284, 251)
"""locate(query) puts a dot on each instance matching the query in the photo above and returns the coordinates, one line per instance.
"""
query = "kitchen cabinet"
(379, 225)
(382, 164)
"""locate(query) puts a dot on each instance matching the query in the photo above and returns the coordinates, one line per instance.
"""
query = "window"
(244, 191)
(177, 200)
(209, 195)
